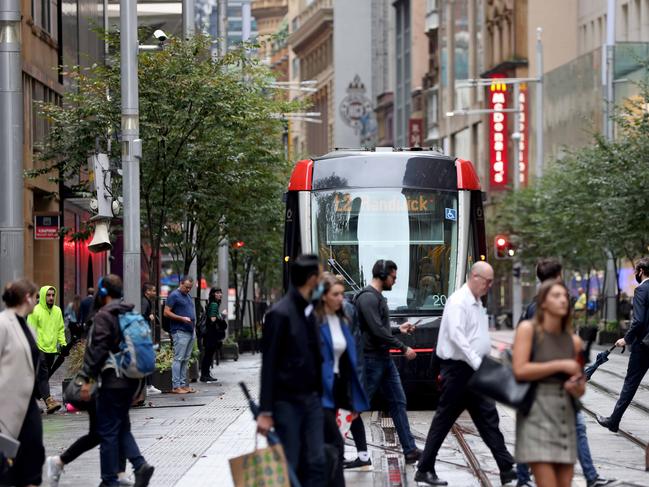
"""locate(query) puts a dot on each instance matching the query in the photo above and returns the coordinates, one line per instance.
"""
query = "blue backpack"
(136, 358)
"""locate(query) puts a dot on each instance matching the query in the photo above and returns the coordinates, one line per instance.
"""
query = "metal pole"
(188, 18)
(131, 150)
(223, 27)
(246, 20)
(224, 277)
(609, 50)
(517, 290)
(539, 104)
(610, 285)
(12, 232)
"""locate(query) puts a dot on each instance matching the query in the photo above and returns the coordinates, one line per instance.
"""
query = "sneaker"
(54, 469)
(124, 480)
(208, 380)
(357, 463)
(143, 475)
(152, 390)
(52, 405)
(600, 482)
(413, 456)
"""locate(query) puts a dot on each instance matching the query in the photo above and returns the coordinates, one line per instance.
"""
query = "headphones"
(383, 273)
(101, 289)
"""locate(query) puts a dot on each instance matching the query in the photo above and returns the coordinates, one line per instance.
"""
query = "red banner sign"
(46, 227)
(498, 170)
(523, 130)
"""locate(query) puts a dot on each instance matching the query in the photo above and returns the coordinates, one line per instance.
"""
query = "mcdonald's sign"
(498, 139)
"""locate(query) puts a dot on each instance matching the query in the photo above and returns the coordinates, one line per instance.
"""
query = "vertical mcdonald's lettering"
(498, 159)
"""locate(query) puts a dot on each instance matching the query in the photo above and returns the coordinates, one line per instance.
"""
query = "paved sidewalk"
(173, 433)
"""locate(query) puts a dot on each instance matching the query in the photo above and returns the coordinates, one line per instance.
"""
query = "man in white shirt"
(462, 343)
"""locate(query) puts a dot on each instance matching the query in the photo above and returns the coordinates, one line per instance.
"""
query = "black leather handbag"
(72, 393)
(496, 380)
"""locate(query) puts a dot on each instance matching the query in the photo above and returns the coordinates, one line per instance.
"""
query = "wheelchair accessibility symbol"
(451, 214)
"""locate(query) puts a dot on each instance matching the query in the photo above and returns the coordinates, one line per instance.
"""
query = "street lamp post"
(11, 144)
(131, 150)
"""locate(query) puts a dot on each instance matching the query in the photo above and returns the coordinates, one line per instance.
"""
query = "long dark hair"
(329, 280)
(211, 298)
(539, 317)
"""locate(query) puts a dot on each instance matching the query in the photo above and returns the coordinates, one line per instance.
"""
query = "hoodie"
(48, 323)
(105, 338)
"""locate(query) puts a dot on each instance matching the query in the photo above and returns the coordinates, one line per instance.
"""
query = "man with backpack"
(119, 353)
(378, 339)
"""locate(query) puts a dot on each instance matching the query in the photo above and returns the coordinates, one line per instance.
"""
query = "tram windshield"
(354, 228)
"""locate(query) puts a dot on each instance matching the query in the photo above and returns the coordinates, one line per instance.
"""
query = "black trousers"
(210, 347)
(333, 437)
(28, 464)
(636, 370)
(357, 429)
(43, 376)
(455, 398)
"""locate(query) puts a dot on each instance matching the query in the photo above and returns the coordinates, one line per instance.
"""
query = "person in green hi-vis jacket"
(47, 321)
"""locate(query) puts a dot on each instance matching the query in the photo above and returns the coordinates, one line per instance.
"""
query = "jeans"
(583, 450)
(183, 346)
(380, 372)
(114, 428)
(300, 426)
(583, 453)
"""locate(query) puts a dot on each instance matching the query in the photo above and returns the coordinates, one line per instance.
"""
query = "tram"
(419, 208)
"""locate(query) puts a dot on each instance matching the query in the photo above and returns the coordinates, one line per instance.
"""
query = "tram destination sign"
(344, 202)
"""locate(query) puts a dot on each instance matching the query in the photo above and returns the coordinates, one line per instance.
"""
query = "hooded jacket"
(48, 323)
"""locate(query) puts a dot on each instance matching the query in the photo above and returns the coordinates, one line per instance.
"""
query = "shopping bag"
(344, 421)
(264, 467)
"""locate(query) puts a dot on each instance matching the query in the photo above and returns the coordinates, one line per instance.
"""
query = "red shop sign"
(498, 170)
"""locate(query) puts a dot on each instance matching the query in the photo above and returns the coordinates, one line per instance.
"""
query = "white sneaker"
(124, 480)
(152, 390)
(54, 471)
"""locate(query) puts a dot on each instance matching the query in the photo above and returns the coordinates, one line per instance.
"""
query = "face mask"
(318, 292)
(638, 277)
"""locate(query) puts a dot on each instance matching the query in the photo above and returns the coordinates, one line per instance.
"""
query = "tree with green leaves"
(211, 133)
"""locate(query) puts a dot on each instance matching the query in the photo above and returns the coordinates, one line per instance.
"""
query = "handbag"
(72, 393)
(263, 466)
(496, 380)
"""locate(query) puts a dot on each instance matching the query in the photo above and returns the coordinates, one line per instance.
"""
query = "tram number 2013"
(438, 300)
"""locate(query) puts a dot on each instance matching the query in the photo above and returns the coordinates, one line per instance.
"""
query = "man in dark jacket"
(85, 308)
(378, 339)
(291, 377)
(637, 337)
(116, 394)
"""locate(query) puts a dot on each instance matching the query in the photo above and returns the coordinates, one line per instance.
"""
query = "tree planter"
(230, 351)
(608, 337)
(162, 380)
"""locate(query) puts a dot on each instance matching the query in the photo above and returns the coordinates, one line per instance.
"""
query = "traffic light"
(503, 247)
(239, 244)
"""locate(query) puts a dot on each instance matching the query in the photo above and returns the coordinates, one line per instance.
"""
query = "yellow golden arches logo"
(498, 86)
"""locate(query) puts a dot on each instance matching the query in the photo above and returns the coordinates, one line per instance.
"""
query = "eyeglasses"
(488, 281)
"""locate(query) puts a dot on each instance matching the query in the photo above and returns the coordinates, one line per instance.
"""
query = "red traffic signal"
(503, 247)
(238, 244)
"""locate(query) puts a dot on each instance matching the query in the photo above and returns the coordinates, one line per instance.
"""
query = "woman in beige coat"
(20, 417)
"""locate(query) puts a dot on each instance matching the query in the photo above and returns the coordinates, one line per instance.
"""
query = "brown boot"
(52, 405)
